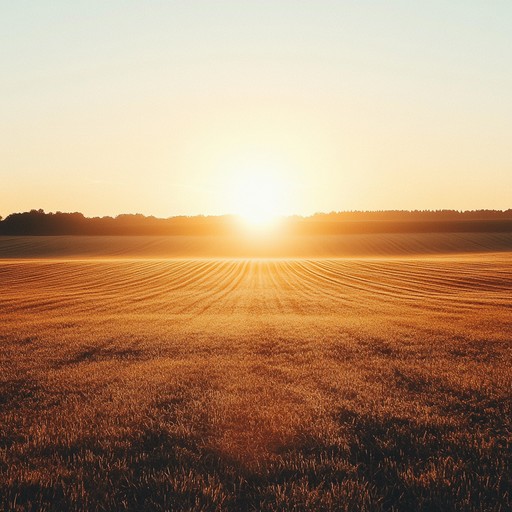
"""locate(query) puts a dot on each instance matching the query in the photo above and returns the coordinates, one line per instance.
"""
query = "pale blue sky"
(159, 107)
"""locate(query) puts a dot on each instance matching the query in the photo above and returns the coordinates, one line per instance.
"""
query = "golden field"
(135, 381)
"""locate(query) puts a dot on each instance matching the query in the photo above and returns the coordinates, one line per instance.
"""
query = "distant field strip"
(254, 244)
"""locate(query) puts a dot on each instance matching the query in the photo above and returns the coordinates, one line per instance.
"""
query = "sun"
(259, 196)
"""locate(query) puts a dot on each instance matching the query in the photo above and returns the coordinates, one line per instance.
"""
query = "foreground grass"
(236, 385)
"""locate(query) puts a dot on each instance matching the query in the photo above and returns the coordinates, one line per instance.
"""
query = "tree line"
(38, 222)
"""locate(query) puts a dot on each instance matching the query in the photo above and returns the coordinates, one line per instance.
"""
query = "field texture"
(233, 384)
(273, 244)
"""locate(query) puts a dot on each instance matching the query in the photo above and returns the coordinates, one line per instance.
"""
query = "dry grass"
(356, 385)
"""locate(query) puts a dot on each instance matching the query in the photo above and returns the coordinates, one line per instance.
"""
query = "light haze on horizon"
(162, 107)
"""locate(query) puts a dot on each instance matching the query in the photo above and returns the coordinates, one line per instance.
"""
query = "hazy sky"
(173, 107)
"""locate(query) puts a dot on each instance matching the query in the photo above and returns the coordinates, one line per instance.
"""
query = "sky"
(185, 107)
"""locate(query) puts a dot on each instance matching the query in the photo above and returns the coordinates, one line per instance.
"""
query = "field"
(132, 381)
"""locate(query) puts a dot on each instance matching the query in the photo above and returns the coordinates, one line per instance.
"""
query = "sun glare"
(259, 197)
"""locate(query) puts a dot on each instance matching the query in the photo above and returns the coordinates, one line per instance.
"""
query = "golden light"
(259, 196)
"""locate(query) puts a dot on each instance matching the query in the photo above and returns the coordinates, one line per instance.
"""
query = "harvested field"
(368, 384)
(254, 245)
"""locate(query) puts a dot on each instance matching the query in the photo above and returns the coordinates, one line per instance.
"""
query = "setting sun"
(259, 196)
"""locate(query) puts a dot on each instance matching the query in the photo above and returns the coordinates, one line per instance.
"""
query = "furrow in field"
(206, 295)
(406, 280)
(317, 289)
(340, 278)
(456, 277)
(250, 287)
(373, 282)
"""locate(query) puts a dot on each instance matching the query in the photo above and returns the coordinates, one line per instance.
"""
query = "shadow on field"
(415, 466)
(376, 463)
(111, 350)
